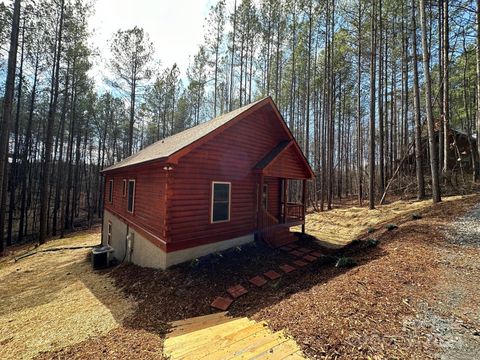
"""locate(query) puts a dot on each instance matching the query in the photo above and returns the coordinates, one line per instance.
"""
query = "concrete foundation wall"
(177, 257)
(146, 254)
(119, 232)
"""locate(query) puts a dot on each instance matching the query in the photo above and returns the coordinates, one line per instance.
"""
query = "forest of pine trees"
(372, 89)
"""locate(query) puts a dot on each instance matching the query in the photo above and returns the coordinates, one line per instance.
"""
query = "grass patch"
(371, 243)
(346, 262)
(391, 227)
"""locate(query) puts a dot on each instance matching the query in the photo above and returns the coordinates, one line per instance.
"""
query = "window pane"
(220, 211)
(131, 193)
(220, 192)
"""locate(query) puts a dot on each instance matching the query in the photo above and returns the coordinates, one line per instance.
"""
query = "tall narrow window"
(131, 195)
(124, 191)
(220, 201)
(110, 191)
(109, 233)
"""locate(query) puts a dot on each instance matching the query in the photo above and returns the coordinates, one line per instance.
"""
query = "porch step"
(279, 237)
(221, 337)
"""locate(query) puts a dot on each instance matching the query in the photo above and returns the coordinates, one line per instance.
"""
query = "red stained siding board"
(288, 164)
(149, 205)
(173, 208)
(231, 157)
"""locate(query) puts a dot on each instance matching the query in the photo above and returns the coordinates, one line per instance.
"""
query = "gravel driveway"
(452, 322)
(466, 230)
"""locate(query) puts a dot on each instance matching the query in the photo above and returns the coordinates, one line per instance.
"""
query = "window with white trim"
(110, 191)
(131, 196)
(221, 196)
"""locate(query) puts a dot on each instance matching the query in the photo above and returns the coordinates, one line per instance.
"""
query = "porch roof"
(285, 160)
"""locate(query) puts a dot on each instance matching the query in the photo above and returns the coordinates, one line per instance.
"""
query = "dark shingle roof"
(170, 145)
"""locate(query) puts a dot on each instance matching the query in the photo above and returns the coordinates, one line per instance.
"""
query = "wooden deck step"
(219, 336)
(280, 237)
(208, 334)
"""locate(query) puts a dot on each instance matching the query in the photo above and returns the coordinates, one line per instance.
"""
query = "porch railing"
(293, 212)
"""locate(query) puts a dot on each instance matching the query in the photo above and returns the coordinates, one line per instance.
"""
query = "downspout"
(103, 207)
(126, 243)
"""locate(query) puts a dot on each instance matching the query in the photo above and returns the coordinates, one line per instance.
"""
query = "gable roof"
(174, 147)
(164, 148)
(279, 153)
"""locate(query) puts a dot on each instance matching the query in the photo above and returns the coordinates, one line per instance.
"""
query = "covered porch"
(281, 193)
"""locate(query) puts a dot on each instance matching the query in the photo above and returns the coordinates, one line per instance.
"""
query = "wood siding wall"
(230, 156)
(149, 206)
(274, 190)
(287, 165)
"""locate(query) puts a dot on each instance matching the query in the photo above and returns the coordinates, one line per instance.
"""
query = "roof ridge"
(168, 146)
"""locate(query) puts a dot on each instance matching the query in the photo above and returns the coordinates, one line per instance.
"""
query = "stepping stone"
(316, 253)
(287, 268)
(237, 291)
(272, 275)
(221, 303)
(304, 250)
(258, 281)
(300, 263)
(296, 253)
(309, 258)
(293, 245)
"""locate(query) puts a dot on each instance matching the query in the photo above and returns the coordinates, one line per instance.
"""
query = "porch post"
(304, 197)
(285, 184)
(260, 203)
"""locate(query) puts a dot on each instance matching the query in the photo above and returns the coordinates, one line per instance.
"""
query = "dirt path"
(452, 319)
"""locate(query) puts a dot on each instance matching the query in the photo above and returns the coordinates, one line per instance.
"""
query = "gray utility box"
(101, 257)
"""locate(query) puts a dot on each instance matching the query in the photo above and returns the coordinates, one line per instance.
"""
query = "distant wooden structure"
(459, 150)
(214, 186)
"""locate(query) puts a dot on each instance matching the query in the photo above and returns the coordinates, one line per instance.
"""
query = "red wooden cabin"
(217, 185)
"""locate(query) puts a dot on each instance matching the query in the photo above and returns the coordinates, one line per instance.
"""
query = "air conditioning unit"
(101, 257)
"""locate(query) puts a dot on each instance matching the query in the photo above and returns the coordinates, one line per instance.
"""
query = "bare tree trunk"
(7, 113)
(478, 84)
(359, 107)
(14, 171)
(371, 145)
(232, 55)
(428, 103)
(45, 191)
(26, 153)
(381, 178)
(446, 92)
(416, 105)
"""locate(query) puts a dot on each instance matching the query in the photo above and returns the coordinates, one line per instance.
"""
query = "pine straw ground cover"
(345, 313)
(338, 227)
(52, 299)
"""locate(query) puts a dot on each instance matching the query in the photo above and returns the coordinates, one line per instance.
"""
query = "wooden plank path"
(218, 336)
